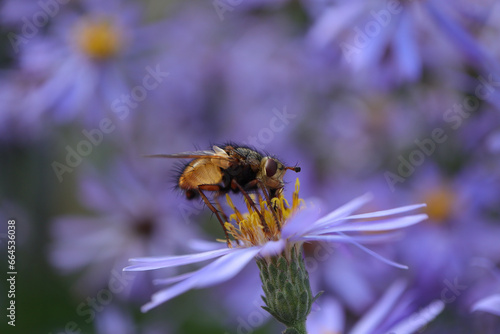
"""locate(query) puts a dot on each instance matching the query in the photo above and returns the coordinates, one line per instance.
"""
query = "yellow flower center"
(439, 203)
(260, 224)
(98, 38)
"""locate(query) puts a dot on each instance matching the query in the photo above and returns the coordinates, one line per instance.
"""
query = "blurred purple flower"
(463, 205)
(12, 12)
(459, 230)
(85, 60)
(392, 313)
(391, 43)
(18, 125)
(489, 304)
(133, 214)
(115, 319)
(483, 293)
(352, 277)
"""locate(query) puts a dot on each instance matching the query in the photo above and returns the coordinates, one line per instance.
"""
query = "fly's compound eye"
(271, 167)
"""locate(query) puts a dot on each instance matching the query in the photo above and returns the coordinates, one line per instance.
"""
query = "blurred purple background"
(396, 98)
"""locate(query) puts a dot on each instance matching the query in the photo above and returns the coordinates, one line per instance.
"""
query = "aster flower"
(489, 304)
(274, 239)
(397, 41)
(394, 312)
(130, 216)
(86, 60)
(461, 210)
(458, 229)
(484, 295)
(17, 125)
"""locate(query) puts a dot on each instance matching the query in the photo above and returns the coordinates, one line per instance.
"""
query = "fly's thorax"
(251, 156)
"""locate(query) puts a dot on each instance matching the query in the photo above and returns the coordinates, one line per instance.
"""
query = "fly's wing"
(207, 169)
(218, 156)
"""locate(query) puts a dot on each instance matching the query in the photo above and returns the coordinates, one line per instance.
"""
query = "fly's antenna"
(296, 169)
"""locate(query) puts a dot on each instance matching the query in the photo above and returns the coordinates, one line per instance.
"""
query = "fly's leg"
(221, 211)
(210, 187)
(264, 190)
(269, 204)
(252, 204)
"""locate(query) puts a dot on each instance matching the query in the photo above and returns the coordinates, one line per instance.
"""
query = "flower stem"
(299, 328)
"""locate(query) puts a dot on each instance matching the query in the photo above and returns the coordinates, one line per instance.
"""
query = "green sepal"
(317, 296)
(291, 331)
(288, 295)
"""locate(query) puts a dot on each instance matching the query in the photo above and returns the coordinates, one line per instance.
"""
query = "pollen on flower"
(98, 38)
(249, 229)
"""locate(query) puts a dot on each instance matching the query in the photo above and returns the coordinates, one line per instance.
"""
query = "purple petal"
(171, 280)
(301, 223)
(330, 24)
(150, 263)
(272, 248)
(357, 244)
(418, 319)
(380, 310)
(370, 226)
(406, 50)
(489, 304)
(329, 318)
(203, 245)
(366, 238)
(390, 212)
(462, 39)
(228, 266)
(372, 53)
(218, 271)
(343, 211)
(169, 293)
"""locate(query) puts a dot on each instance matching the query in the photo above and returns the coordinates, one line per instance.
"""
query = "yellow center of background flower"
(249, 229)
(99, 38)
(439, 203)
